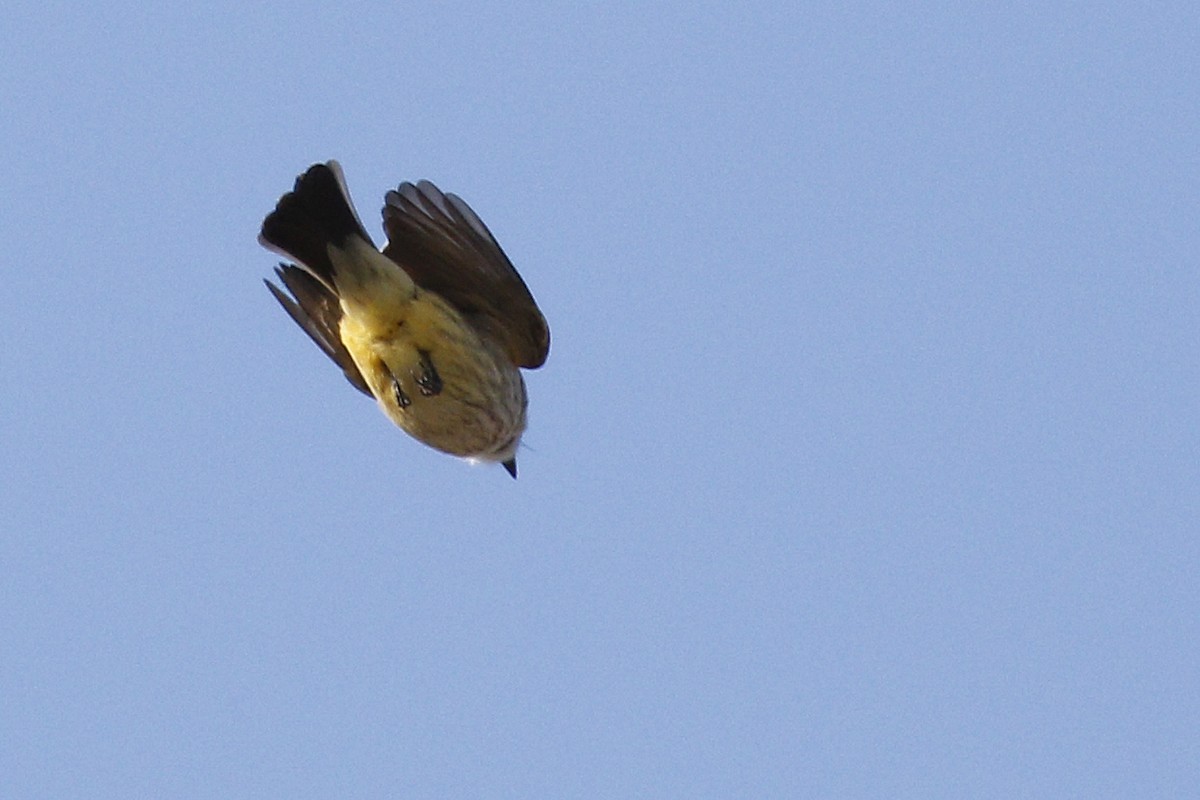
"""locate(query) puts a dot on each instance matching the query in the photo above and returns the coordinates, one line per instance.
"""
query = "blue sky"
(864, 463)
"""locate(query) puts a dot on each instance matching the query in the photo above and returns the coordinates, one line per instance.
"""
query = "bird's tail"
(317, 213)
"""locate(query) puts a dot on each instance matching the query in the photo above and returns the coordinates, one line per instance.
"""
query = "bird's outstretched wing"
(444, 246)
(306, 222)
(316, 309)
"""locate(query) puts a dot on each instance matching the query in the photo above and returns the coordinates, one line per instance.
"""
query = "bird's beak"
(511, 466)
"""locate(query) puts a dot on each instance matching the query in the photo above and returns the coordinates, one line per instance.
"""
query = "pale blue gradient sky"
(864, 463)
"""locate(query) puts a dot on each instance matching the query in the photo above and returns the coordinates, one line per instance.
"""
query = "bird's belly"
(479, 412)
(443, 384)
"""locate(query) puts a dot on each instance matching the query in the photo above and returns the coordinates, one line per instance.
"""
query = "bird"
(436, 326)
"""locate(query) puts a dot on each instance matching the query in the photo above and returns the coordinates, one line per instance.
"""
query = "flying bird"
(435, 327)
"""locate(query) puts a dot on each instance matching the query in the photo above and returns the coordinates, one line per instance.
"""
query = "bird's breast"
(437, 378)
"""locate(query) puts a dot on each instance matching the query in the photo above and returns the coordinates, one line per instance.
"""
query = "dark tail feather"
(315, 214)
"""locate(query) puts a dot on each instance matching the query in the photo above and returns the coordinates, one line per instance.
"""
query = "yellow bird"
(435, 327)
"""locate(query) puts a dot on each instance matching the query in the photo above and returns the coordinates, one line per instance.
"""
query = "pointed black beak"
(511, 466)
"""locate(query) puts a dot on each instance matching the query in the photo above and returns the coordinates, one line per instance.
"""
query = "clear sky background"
(864, 463)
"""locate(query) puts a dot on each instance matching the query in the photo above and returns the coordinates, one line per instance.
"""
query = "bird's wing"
(318, 312)
(444, 246)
